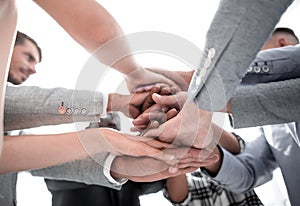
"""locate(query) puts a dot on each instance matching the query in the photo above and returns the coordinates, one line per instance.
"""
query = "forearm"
(36, 151)
(86, 21)
(214, 168)
(92, 26)
(229, 141)
(177, 188)
(8, 21)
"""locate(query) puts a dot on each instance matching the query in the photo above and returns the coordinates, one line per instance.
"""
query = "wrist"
(105, 98)
(136, 74)
(109, 102)
(214, 168)
(113, 177)
(116, 164)
(114, 102)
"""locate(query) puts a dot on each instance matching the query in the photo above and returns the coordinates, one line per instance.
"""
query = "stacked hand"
(171, 125)
(191, 127)
(144, 77)
(135, 104)
(145, 169)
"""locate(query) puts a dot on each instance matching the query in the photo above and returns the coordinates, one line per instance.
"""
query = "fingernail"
(149, 87)
(157, 95)
(173, 170)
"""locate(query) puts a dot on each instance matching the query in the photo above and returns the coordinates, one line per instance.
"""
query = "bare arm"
(177, 188)
(37, 151)
(8, 20)
(93, 27)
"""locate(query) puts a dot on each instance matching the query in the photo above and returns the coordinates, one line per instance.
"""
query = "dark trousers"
(65, 193)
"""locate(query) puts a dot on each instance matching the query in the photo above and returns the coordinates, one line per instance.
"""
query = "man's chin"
(16, 82)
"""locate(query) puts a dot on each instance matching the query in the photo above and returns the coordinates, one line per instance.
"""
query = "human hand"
(191, 127)
(136, 103)
(130, 105)
(143, 77)
(181, 78)
(98, 140)
(145, 169)
(167, 106)
(152, 118)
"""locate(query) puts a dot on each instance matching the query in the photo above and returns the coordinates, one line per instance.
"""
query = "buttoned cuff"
(106, 171)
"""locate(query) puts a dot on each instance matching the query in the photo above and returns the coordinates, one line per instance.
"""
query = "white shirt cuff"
(104, 107)
(106, 171)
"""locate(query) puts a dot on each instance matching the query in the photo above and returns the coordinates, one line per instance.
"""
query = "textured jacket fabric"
(233, 40)
(41, 108)
(271, 102)
(275, 145)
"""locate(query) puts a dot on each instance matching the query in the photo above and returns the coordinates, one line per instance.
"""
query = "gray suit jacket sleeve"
(233, 41)
(88, 171)
(274, 65)
(253, 167)
(263, 104)
(27, 107)
(271, 103)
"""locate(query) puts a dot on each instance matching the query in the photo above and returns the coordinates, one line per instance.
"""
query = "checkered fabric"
(204, 191)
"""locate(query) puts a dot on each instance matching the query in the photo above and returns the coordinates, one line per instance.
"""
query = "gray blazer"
(275, 145)
(233, 41)
(41, 108)
(271, 103)
(29, 106)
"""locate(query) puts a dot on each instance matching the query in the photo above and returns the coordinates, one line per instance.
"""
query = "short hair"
(287, 31)
(20, 39)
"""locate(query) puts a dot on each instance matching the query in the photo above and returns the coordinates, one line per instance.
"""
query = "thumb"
(152, 132)
(165, 100)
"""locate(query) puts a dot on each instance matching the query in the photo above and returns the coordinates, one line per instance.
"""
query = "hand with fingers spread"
(137, 168)
(180, 78)
(97, 140)
(142, 78)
